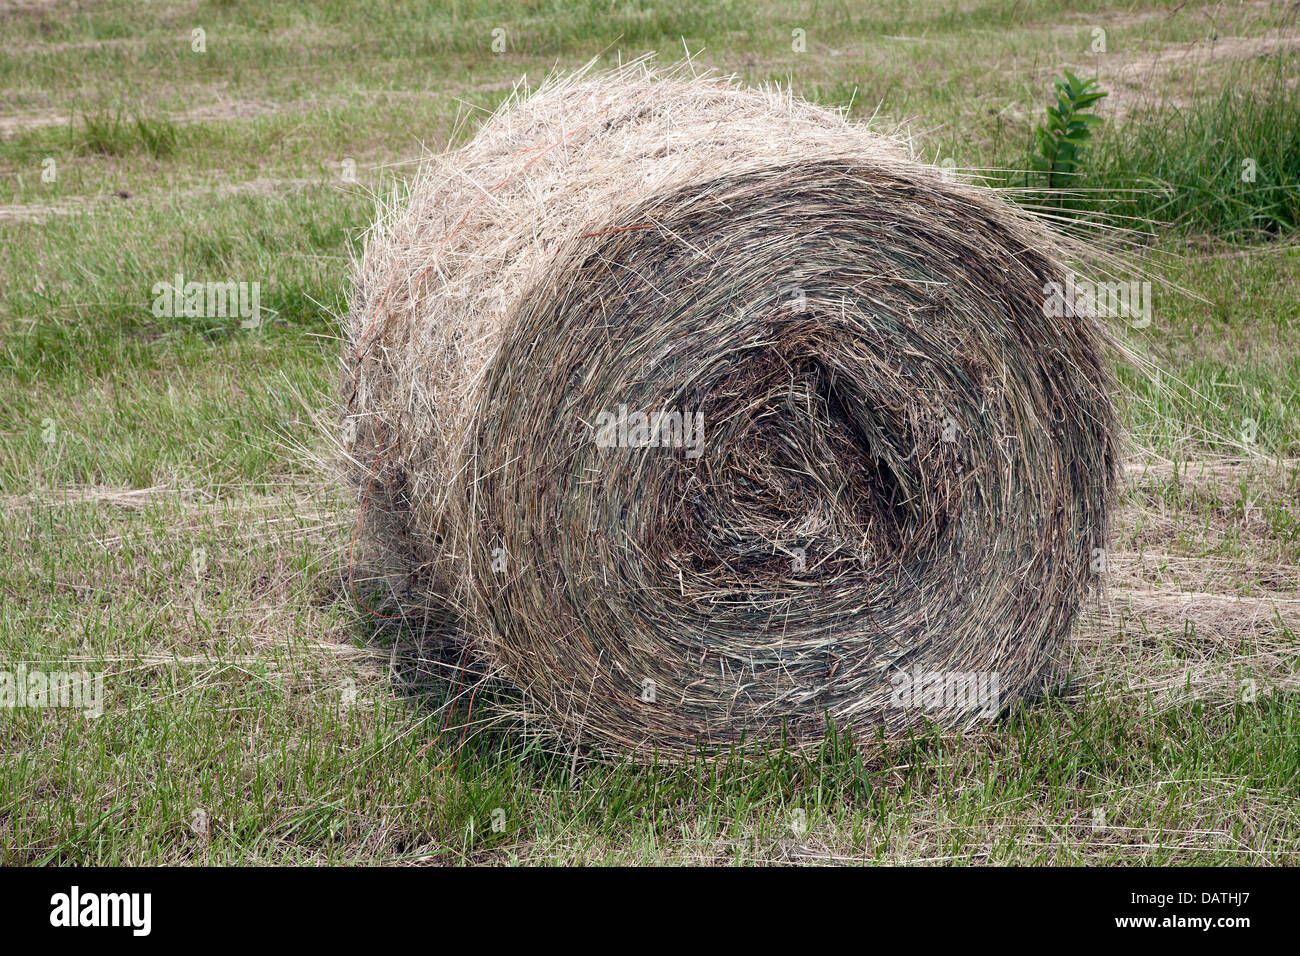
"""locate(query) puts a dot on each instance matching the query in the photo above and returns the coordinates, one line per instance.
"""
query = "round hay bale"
(717, 416)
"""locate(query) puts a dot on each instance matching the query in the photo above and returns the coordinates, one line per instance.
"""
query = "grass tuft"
(1229, 166)
(113, 133)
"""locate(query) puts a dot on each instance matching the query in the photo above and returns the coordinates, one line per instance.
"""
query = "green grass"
(1229, 165)
(250, 685)
(110, 133)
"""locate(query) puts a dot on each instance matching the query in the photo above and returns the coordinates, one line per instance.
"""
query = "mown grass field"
(164, 522)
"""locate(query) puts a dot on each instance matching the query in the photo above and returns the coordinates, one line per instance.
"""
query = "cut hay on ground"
(905, 468)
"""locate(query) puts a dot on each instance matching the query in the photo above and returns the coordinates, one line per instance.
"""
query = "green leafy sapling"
(1069, 125)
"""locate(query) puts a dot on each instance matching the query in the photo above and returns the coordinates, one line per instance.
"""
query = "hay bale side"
(906, 464)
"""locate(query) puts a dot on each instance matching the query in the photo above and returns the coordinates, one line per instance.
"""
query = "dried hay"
(906, 465)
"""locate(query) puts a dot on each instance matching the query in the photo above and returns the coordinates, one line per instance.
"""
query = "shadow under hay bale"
(716, 416)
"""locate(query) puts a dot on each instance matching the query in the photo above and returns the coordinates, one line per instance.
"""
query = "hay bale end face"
(717, 416)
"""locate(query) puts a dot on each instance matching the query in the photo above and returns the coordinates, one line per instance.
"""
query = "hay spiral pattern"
(718, 416)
